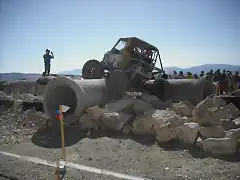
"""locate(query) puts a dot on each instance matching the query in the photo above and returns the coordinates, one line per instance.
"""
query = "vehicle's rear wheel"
(93, 69)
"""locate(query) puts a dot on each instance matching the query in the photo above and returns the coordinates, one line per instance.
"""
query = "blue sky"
(187, 32)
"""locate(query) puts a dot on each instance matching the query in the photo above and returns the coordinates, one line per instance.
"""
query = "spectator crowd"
(225, 80)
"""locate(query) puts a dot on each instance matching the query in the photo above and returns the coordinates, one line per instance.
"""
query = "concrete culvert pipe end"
(76, 94)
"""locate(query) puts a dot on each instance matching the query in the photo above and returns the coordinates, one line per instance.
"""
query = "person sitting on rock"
(47, 62)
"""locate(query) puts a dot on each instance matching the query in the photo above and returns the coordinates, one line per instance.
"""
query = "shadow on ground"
(144, 140)
(50, 138)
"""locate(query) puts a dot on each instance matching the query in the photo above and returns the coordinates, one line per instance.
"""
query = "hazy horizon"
(187, 33)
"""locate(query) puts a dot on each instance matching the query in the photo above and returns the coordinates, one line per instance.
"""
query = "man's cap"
(47, 50)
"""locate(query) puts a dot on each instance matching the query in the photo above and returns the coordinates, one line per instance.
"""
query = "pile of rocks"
(20, 101)
(212, 124)
(36, 87)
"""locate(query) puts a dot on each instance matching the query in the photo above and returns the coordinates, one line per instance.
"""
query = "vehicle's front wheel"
(93, 69)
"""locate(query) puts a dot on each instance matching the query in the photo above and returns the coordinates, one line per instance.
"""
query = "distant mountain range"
(72, 72)
(169, 70)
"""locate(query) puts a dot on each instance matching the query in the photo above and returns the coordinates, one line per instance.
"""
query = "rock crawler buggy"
(132, 55)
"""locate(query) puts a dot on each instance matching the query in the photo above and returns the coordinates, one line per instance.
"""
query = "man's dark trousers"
(47, 68)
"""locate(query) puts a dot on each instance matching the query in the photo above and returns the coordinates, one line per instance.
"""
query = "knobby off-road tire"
(93, 69)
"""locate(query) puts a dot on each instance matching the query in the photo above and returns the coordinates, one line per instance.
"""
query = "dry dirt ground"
(24, 133)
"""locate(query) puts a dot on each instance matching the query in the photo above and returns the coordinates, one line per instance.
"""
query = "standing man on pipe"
(47, 62)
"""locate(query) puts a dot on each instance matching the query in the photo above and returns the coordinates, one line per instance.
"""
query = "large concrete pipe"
(81, 94)
(194, 90)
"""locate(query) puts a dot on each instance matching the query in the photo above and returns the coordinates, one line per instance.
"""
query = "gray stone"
(227, 112)
(188, 132)
(212, 132)
(218, 146)
(201, 114)
(152, 120)
(167, 132)
(184, 108)
(115, 120)
(95, 112)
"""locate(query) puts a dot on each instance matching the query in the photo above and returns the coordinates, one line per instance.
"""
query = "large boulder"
(168, 131)
(95, 112)
(184, 108)
(116, 120)
(218, 146)
(151, 120)
(212, 132)
(227, 112)
(209, 102)
(188, 132)
(203, 116)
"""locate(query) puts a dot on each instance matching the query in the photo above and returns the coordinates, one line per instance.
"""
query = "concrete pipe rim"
(74, 88)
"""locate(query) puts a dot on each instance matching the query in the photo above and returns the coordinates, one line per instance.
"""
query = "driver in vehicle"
(127, 54)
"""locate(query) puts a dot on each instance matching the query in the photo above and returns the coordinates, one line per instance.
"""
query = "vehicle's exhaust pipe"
(82, 94)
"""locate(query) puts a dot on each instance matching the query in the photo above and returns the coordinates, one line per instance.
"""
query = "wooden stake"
(62, 133)
(57, 171)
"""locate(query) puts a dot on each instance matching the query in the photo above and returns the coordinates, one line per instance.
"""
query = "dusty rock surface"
(169, 143)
